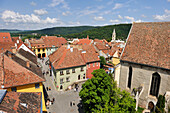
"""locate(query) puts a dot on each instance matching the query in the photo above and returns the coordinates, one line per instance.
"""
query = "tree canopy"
(100, 94)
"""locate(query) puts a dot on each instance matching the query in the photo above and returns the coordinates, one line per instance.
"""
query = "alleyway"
(65, 101)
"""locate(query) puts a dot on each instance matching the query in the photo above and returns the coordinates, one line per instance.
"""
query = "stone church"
(145, 62)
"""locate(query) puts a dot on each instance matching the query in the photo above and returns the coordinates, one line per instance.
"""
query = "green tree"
(95, 92)
(102, 61)
(160, 104)
(100, 94)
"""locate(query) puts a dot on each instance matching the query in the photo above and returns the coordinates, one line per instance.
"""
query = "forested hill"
(104, 32)
(60, 30)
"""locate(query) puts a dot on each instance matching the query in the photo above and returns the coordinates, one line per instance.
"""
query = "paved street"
(65, 101)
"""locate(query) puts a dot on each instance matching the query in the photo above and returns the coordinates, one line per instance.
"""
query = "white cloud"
(138, 20)
(164, 17)
(168, 0)
(167, 11)
(65, 13)
(117, 6)
(100, 18)
(130, 18)
(114, 21)
(40, 12)
(74, 23)
(120, 17)
(13, 17)
(58, 2)
(33, 4)
(87, 11)
(144, 16)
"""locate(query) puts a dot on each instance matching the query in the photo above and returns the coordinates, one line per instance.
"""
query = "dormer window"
(14, 89)
(3, 37)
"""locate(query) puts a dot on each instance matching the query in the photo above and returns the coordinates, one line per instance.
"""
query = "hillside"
(60, 30)
(105, 32)
(10, 30)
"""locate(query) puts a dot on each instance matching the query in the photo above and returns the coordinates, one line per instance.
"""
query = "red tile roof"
(5, 37)
(6, 46)
(50, 41)
(12, 101)
(101, 46)
(90, 54)
(84, 41)
(16, 73)
(64, 58)
(148, 43)
(38, 43)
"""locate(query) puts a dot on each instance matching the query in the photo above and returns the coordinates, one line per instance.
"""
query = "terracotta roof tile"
(148, 43)
(16, 73)
(6, 46)
(50, 41)
(12, 102)
(66, 58)
(5, 37)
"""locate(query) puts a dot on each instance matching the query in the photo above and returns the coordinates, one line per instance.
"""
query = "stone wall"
(142, 76)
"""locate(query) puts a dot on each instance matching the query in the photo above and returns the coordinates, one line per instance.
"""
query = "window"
(154, 90)
(43, 49)
(73, 70)
(97, 64)
(84, 76)
(79, 77)
(61, 73)
(61, 81)
(3, 37)
(14, 89)
(38, 50)
(38, 45)
(130, 77)
(82, 69)
(93, 64)
(34, 50)
(67, 71)
(6, 37)
(68, 79)
(37, 86)
(61, 87)
(89, 65)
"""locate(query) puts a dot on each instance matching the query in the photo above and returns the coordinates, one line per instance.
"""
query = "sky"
(40, 14)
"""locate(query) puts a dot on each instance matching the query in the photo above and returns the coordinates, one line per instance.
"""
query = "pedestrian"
(71, 104)
(47, 88)
(53, 99)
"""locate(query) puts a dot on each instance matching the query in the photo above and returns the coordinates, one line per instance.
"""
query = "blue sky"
(39, 14)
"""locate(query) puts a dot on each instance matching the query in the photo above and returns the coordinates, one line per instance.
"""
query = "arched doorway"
(43, 55)
(151, 106)
(39, 55)
(61, 87)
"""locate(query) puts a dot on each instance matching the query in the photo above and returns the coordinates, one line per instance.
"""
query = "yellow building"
(20, 76)
(39, 48)
(116, 58)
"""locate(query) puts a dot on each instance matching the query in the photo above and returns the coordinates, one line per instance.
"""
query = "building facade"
(145, 62)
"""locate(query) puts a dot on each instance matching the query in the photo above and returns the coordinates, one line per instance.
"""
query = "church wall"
(142, 76)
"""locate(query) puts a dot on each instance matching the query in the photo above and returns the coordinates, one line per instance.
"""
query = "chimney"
(16, 45)
(28, 64)
(9, 55)
(13, 50)
(68, 46)
(17, 41)
(71, 49)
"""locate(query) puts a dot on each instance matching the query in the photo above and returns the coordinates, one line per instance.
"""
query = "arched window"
(79, 77)
(39, 55)
(130, 77)
(154, 90)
